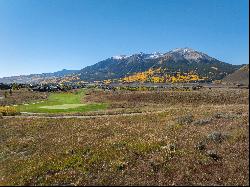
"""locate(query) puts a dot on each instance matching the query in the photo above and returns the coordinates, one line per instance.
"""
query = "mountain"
(240, 76)
(182, 60)
(39, 78)
(61, 73)
(178, 65)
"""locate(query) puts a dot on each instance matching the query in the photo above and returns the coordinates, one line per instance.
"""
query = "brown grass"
(146, 149)
(205, 96)
(21, 96)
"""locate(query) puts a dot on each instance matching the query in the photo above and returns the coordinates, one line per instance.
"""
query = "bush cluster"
(8, 111)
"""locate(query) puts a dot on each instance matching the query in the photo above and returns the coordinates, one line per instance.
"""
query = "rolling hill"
(240, 76)
(38, 78)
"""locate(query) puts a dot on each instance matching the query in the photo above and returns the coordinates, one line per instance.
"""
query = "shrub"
(8, 111)
(225, 116)
(202, 121)
(213, 154)
(200, 145)
(185, 120)
(217, 136)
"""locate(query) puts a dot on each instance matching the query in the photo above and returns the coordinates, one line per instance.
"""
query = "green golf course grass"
(62, 102)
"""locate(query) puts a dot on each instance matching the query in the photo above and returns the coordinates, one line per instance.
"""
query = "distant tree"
(5, 94)
(15, 86)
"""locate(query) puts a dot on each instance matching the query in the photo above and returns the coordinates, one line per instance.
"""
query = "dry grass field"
(21, 96)
(167, 138)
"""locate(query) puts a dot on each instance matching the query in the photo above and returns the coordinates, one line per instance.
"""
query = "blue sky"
(48, 35)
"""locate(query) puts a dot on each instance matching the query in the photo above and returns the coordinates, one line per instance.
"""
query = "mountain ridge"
(179, 59)
(37, 78)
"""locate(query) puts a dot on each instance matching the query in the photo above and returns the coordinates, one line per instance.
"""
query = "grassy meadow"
(167, 138)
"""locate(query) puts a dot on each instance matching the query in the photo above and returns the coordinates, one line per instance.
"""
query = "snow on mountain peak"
(187, 53)
(190, 54)
(119, 57)
(155, 55)
(183, 50)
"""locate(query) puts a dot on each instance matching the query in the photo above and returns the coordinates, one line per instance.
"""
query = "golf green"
(62, 102)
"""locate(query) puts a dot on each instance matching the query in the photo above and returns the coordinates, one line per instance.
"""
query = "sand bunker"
(63, 107)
